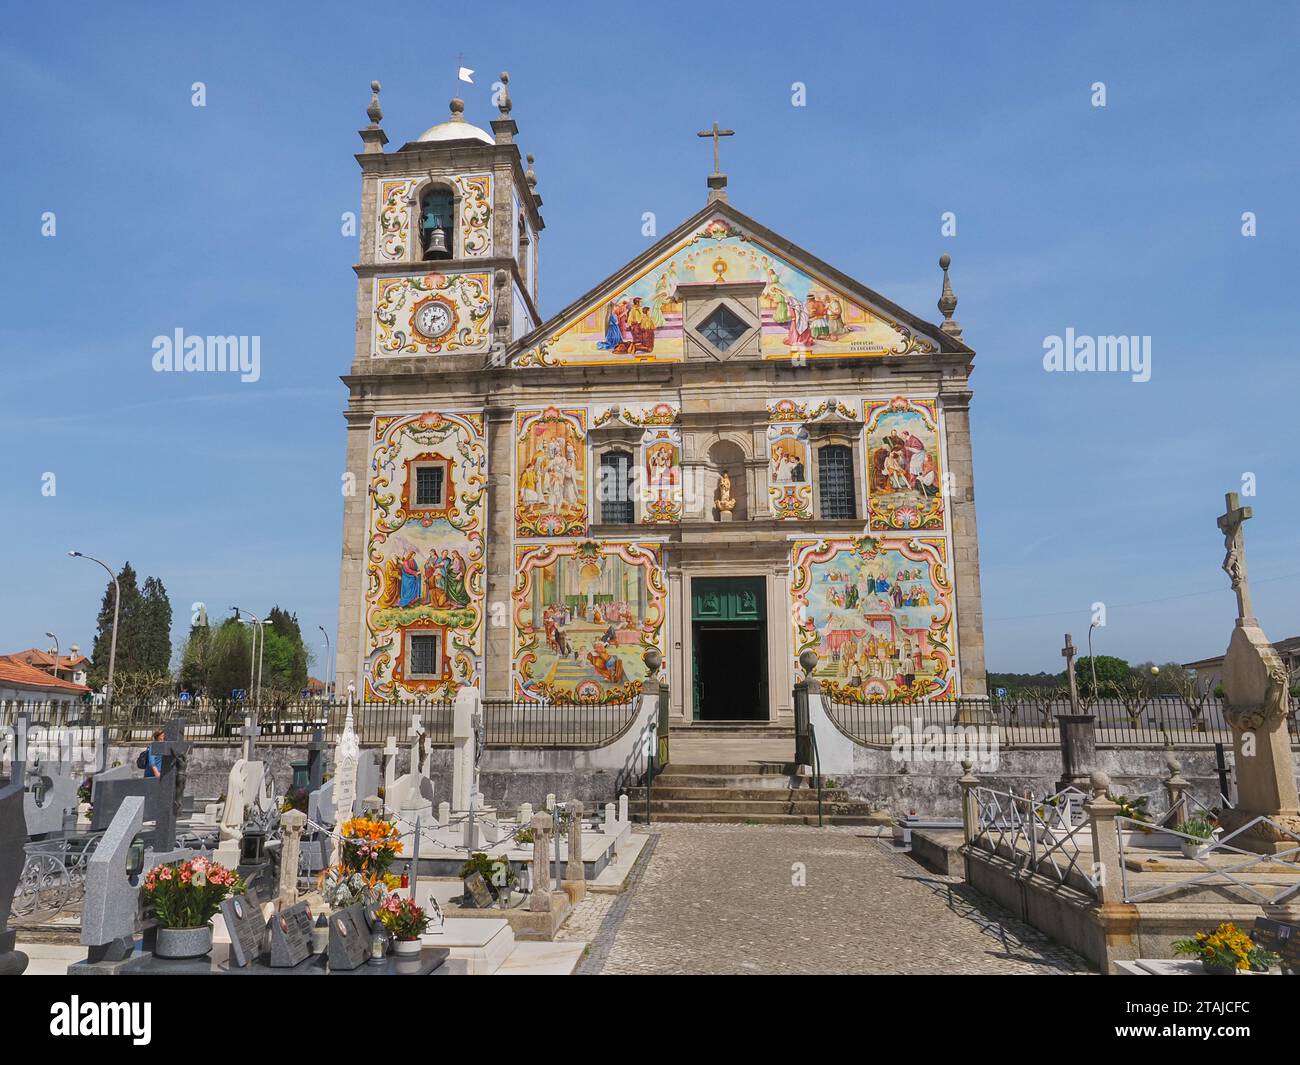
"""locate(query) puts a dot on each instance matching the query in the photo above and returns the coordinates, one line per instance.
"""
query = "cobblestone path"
(726, 899)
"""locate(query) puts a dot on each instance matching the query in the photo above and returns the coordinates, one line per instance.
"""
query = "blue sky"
(225, 219)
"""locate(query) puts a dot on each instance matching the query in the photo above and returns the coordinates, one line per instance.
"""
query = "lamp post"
(117, 604)
(1092, 662)
(253, 676)
(56, 653)
(329, 665)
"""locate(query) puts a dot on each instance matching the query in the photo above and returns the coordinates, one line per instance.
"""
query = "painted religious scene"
(584, 614)
(904, 477)
(800, 313)
(425, 555)
(788, 471)
(879, 615)
(550, 472)
(662, 474)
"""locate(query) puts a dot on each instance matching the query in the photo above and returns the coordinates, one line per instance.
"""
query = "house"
(24, 683)
(73, 666)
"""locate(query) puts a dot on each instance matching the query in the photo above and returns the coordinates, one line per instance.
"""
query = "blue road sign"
(1001, 693)
(185, 697)
(239, 695)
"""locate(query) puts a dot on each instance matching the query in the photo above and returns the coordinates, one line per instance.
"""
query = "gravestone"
(50, 792)
(1078, 736)
(13, 836)
(390, 774)
(316, 760)
(344, 784)
(1256, 704)
(291, 825)
(290, 936)
(111, 788)
(112, 902)
(349, 944)
(174, 753)
(478, 891)
(575, 872)
(540, 900)
(245, 926)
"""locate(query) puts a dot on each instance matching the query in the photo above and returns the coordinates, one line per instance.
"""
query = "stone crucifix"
(1234, 561)
(1068, 652)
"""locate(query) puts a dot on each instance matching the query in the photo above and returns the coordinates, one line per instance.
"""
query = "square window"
(425, 655)
(723, 327)
(429, 486)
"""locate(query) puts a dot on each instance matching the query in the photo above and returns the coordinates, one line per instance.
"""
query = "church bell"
(437, 248)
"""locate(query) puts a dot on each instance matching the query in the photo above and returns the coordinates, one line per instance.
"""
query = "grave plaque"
(247, 930)
(349, 939)
(290, 936)
(477, 889)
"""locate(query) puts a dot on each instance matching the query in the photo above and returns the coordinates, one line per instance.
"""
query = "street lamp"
(329, 665)
(117, 603)
(56, 653)
(1092, 661)
(254, 673)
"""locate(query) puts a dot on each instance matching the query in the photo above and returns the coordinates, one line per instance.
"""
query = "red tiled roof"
(41, 659)
(18, 674)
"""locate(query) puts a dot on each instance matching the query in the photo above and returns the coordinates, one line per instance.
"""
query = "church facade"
(727, 451)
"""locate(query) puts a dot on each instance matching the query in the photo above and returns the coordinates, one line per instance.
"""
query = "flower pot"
(406, 947)
(1193, 848)
(183, 942)
(1217, 970)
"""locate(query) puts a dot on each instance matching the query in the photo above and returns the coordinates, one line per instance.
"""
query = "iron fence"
(508, 722)
(1022, 722)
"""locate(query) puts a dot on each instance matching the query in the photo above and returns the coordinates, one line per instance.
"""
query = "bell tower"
(448, 258)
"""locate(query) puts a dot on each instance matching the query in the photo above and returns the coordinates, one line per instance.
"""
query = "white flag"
(466, 75)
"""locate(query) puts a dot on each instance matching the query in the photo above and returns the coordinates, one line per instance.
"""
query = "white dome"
(456, 130)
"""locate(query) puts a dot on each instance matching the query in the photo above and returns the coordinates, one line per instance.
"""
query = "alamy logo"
(179, 353)
(1080, 354)
(77, 1018)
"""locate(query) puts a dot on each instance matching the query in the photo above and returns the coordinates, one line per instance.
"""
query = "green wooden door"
(723, 599)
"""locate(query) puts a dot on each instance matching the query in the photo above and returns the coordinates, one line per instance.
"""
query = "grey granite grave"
(13, 836)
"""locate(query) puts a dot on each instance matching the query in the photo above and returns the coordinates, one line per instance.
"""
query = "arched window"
(437, 223)
(615, 488)
(835, 477)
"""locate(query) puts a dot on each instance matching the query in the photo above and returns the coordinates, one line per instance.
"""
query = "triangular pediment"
(807, 308)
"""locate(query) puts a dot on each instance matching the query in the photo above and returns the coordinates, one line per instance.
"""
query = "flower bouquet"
(184, 897)
(405, 921)
(1225, 950)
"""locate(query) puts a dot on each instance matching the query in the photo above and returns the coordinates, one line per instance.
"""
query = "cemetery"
(459, 838)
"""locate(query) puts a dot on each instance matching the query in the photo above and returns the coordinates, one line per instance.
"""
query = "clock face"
(432, 319)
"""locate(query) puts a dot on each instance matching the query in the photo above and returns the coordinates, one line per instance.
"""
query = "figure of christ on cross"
(1234, 561)
(715, 133)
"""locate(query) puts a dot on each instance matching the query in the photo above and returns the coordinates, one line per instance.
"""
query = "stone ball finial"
(945, 261)
(457, 109)
(808, 660)
(503, 103)
(373, 112)
(967, 765)
(653, 659)
(531, 175)
(1099, 782)
(1174, 765)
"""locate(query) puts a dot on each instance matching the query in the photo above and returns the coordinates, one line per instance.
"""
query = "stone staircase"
(764, 793)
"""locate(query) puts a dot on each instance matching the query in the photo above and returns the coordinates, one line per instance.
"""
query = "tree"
(155, 627)
(285, 662)
(128, 616)
(1111, 671)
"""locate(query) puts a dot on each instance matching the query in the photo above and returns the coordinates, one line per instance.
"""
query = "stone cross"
(1067, 652)
(346, 756)
(291, 826)
(540, 902)
(573, 868)
(18, 749)
(716, 133)
(1234, 562)
(174, 752)
(416, 732)
(250, 732)
(390, 772)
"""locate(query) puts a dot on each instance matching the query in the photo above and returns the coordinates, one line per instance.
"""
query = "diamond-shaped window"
(723, 327)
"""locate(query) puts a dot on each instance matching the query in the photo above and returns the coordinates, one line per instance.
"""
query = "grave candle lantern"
(252, 847)
(135, 858)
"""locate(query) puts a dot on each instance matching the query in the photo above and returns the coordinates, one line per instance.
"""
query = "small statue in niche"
(726, 503)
